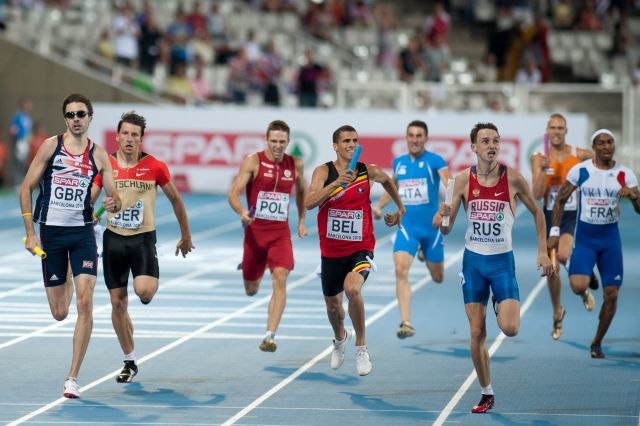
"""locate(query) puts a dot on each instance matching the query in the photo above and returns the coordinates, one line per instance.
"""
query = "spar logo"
(200, 148)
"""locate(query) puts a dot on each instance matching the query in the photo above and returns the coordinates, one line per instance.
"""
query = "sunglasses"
(73, 114)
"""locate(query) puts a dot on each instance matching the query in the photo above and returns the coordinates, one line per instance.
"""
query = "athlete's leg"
(122, 324)
(476, 313)
(402, 262)
(607, 312)
(437, 271)
(278, 298)
(85, 285)
(335, 313)
(509, 316)
(352, 286)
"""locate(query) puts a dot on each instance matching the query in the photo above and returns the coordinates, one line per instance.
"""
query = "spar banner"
(204, 146)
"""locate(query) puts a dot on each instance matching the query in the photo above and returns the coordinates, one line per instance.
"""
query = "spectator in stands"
(200, 87)
(436, 27)
(104, 48)
(358, 13)
(179, 33)
(318, 21)
(215, 24)
(201, 45)
(311, 77)
(386, 25)
(486, 71)
(563, 14)
(20, 137)
(268, 70)
(410, 59)
(179, 86)
(588, 19)
(37, 138)
(125, 32)
(252, 47)
(436, 59)
(197, 19)
(239, 78)
(149, 41)
(529, 73)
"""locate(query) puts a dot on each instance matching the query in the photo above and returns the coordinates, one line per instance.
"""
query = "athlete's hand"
(437, 220)
(391, 219)
(545, 264)
(629, 193)
(111, 204)
(184, 246)
(302, 230)
(540, 161)
(246, 218)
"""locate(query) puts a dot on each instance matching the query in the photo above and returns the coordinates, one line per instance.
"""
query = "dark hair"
(421, 124)
(341, 129)
(76, 97)
(481, 126)
(132, 118)
(278, 125)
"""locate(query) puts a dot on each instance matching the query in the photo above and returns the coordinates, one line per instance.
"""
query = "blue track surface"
(200, 364)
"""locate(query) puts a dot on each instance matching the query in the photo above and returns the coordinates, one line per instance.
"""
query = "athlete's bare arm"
(31, 179)
(300, 193)
(519, 188)
(539, 164)
(584, 154)
(111, 202)
(185, 245)
(248, 170)
(378, 175)
(460, 189)
(317, 193)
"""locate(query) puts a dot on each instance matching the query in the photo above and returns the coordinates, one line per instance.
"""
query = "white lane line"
(160, 351)
(494, 347)
(379, 314)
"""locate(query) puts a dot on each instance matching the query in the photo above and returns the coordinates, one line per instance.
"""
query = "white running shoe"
(363, 362)
(71, 388)
(337, 355)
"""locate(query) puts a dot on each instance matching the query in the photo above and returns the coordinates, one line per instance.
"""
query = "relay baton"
(448, 198)
(552, 256)
(37, 250)
(100, 211)
(354, 161)
(546, 145)
(252, 212)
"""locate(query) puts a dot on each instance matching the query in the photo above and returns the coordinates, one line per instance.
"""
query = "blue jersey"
(65, 188)
(418, 184)
(598, 211)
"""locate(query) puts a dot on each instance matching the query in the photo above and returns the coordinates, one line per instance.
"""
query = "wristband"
(25, 214)
(554, 231)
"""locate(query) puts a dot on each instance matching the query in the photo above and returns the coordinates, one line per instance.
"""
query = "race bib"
(413, 192)
(272, 206)
(571, 204)
(68, 192)
(345, 225)
(130, 218)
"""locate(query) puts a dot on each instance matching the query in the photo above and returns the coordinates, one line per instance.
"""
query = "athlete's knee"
(563, 258)
(352, 291)
(59, 313)
(478, 333)
(510, 330)
(437, 276)
(145, 295)
(610, 294)
(251, 288)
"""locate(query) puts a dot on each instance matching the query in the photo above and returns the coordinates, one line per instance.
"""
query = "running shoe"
(557, 326)
(405, 330)
(596, 351)
(268, 345)
(594, 284)
(363, 361)
(337, 354)
(71, 388)
(485, 404)
(588, 300)
(128, 372)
